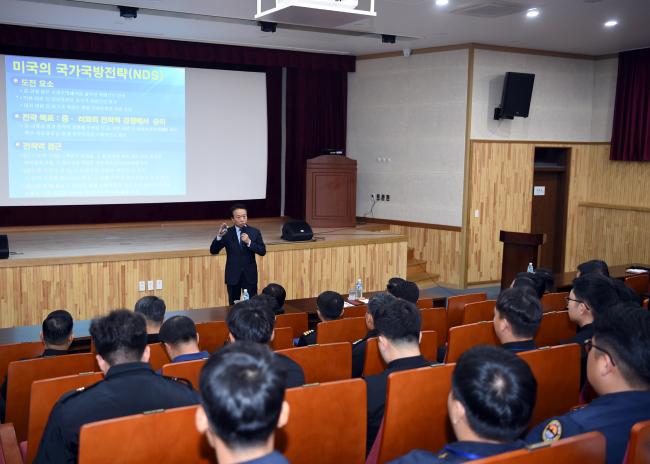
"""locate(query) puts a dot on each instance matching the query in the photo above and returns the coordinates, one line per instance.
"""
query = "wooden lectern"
(519, 249)
(331, 193)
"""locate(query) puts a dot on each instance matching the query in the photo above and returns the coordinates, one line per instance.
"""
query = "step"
(410, 254)
(421, 276)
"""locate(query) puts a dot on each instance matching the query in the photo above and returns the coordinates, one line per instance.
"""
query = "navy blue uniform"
(460, 451)
(307, 338)
(613, 415)
(295, 374)
(129, 388)
(520, 347)
(583, 335)
(271, 458)
(359, 354)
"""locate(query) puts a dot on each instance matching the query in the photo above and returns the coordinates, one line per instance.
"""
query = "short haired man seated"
(517, 316)
(278, 292)
(130, 386)
(359, 346)
(252, 320)
(490, 404)
(242, 403)
(329, 307)
(153, 309)
(181, 340)
(404, 289)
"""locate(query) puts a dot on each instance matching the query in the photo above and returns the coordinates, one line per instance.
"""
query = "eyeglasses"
(567, 299)
(589, 345)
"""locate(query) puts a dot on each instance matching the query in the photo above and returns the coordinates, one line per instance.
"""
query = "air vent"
(490, 9)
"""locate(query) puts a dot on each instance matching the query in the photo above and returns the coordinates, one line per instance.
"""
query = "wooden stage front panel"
(92, 270)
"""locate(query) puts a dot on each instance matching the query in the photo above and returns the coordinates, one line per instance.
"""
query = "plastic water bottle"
(245, 296)
(359, 289)
(530, 269)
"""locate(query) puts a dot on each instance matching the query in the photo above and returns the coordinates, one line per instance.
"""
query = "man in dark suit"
(241, 243)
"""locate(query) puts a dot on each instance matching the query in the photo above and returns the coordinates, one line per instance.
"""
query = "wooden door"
(548, 215)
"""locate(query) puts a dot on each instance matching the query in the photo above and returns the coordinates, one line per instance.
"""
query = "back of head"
(57, 327)
(404, 289)
(597, 291)
(152, 308)
(119, 337)
(547, 277)
(178, 330)
(399, 321)
(252, 321)
(594, 266)
(531, 280)
(393, 283)
(278, 292)
(379, 300)
(330, 305)
(498, 391)
(242, 391)
(268, 302)
(624, 332)
(522, 309)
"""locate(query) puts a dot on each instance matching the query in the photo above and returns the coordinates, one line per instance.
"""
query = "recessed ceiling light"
(532, 13)
(611, 23)
(442, 2)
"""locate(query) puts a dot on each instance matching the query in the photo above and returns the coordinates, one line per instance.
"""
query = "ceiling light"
(442, 2)
(611, 23)
(532, 13)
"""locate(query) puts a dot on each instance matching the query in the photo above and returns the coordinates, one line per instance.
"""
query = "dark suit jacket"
(241, 260)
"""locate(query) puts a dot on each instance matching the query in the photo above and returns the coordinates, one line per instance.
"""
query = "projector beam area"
(318, 13)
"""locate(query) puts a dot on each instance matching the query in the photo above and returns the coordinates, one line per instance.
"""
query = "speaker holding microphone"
(297, 231)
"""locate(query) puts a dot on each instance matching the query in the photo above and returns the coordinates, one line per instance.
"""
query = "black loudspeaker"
(515, 99)
(297, 231)
(4, 247)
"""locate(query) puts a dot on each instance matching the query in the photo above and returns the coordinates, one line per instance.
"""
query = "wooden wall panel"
(89, 289)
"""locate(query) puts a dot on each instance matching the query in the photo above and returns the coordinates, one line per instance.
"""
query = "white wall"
(604, 95)
(411, 110)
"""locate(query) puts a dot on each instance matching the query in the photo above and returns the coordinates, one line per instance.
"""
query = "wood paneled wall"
(89, 289)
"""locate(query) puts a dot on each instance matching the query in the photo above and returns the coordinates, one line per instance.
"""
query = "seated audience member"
(130, 386)
(359, 347)
(531, 280)
(619, 371)
(595, 291)
(242, 403)
(153, 310)
(490, 404)
(547, 277)
(517, 316)
(278, 292)
(253, 321)
(403, 289)
(594, 266)
(181, 340)
(329, 307)
(398, 339)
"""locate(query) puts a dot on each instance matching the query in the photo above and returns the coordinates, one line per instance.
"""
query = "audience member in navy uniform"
(278, 292)
(242, 403)
(359, 347)
(491, 401)
(398, 339)
(618, 369)
(153, 309)
(403, 289)
(181, 340)
(253, 320)
(532, 280)
(329, 307)
(130, 386)
(517, 316)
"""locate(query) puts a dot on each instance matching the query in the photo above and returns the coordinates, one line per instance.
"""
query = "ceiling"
(573, 26)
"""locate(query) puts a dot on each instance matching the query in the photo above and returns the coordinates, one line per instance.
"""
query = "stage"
(92, 269)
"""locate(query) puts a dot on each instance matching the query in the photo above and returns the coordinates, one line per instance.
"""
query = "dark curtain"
(316, 120)
(631, 128)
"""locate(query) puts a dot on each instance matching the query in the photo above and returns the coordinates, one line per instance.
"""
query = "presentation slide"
(85, 132)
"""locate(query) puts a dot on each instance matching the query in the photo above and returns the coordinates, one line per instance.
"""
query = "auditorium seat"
(44, 395)
(323, 363)
(416, 412)
(282, 338)
(556, 393)
(588, 447)
(638, 283)
(435, 319)
(158, 437)
(158, 357)
(463, 337)
(479, 311)
(327, 424)
(188, 370)
(555, 327)
(297, 321)
(16, 352)
(341, 330)
(638, 449)
(554, 301)
(23, 373)
(355, 311)
(374, 363)
(456, 306)
(424, 303)
(9, 445)
(212, 335)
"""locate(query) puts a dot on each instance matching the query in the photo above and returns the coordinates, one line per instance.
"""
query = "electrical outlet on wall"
(141, 286)
(387, 197)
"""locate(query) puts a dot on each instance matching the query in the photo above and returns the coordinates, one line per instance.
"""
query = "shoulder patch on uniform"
(357, 341)
(443, 455)
(307, 332)
(552, 431)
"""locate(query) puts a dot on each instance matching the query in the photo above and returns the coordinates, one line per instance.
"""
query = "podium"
(331, 191)
(519, 249)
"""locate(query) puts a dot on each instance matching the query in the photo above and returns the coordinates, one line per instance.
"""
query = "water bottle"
(245, 295)
(359, 289)
(530, 269)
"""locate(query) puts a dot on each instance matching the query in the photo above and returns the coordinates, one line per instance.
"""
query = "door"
(548, 215)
